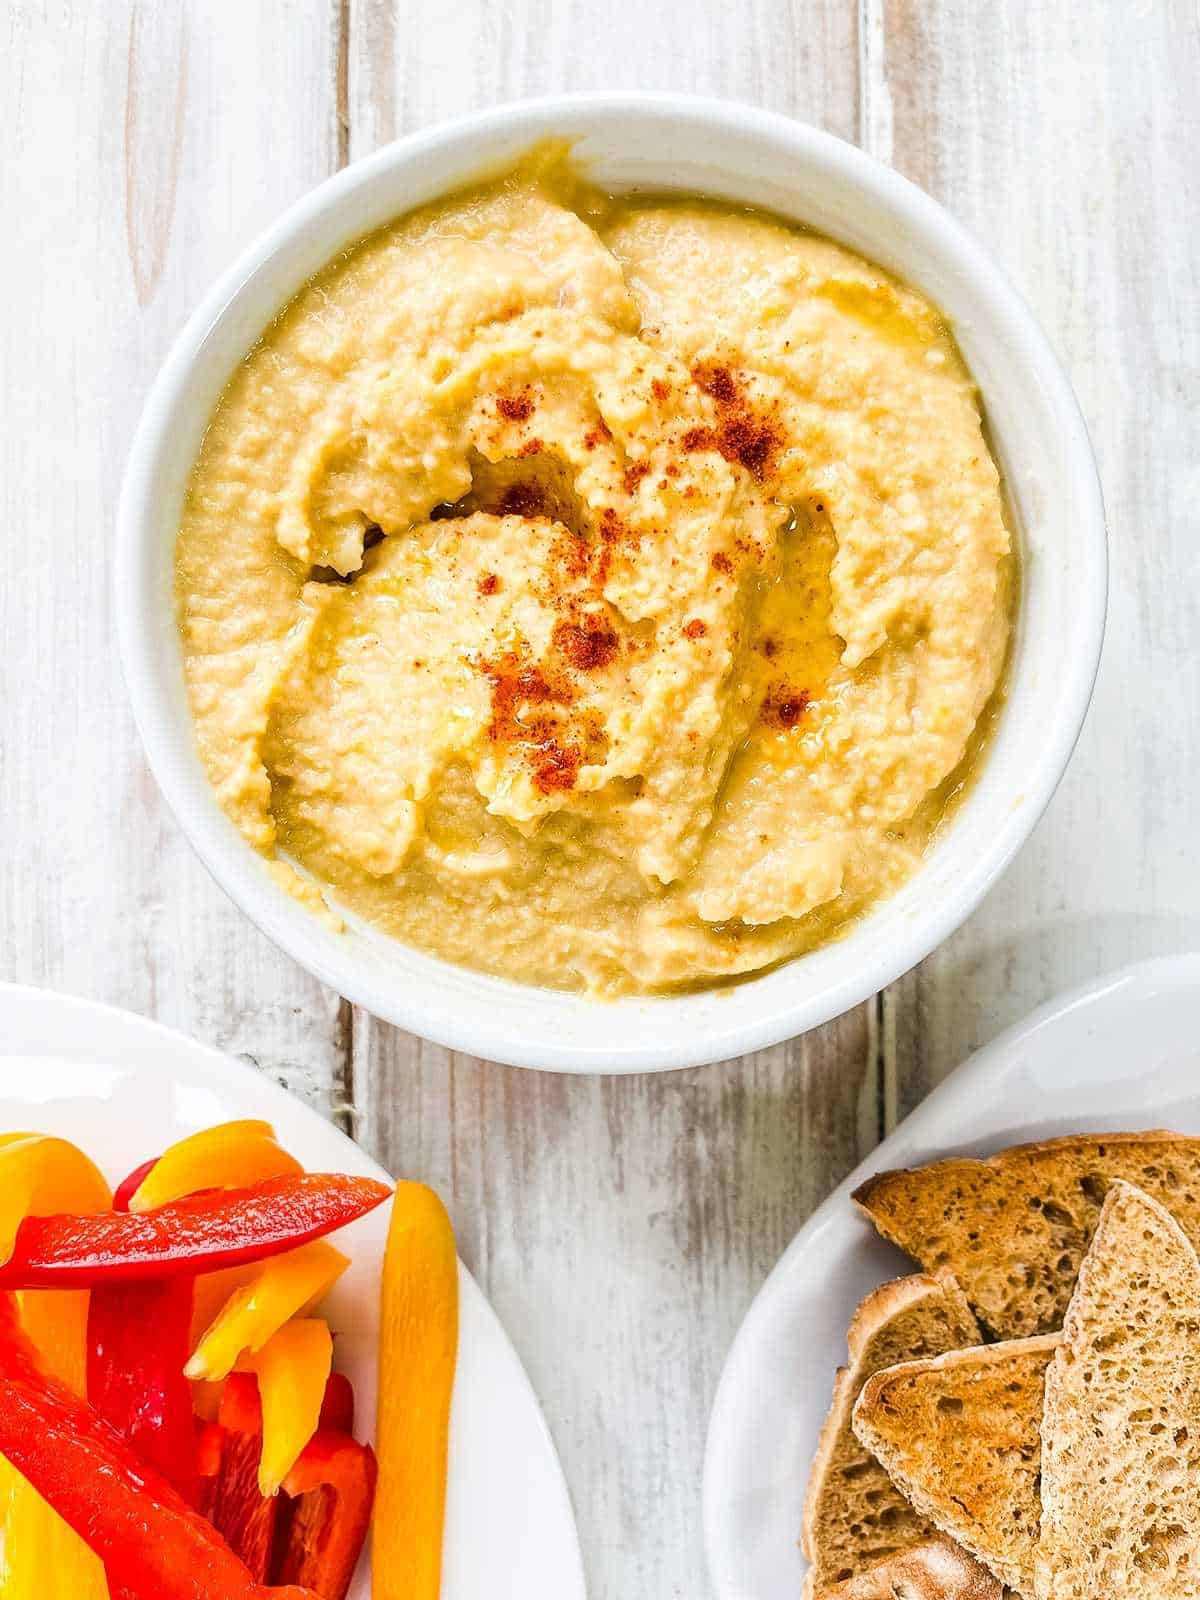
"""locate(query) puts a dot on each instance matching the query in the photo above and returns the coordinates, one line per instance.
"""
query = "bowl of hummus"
(609, 582)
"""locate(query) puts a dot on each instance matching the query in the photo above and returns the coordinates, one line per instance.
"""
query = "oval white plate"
(1119, 1054)
(124, 1088)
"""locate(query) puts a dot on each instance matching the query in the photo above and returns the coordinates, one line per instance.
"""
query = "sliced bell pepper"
(41, 1558)
(40, 1175)
(137, 1344)
(199, 1234)
(239, 1512)
(153, 1545)
(56, 1323)
(331, 1490)
(293, 1370)
(278, 1290)
(212, 1291)
(128, 1187)
(418, 1350)
(209, 1436)
(230, 1155)
(337, 1408)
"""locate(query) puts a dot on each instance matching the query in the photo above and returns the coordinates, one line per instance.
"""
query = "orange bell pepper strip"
(153, 1545)
(41, 1558)
(231, 1155)
(418, 1351)
(200, 1234)
(293, 1369)
(331, 1489)
(279, 1289)
(39, 1176)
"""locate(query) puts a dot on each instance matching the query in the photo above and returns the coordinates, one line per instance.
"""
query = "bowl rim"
(231, 860)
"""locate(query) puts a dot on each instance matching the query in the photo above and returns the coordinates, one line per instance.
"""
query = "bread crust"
(881, 1309)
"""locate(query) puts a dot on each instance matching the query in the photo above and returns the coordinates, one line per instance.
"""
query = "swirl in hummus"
(604, 593)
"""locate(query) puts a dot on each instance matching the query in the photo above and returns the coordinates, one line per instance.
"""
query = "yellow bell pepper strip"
(200, 1234)
(211, 1293)
(293, 1369)
(230, 1155)
(280, 1289)
(153, 1545)
(41, 1558)
(337, 1408)
(39, 1176)
(418, 1351)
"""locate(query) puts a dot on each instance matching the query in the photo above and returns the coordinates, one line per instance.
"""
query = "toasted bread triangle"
(1121, 1428)
(853, 1516)
(959, 1436)
(1014, 1228)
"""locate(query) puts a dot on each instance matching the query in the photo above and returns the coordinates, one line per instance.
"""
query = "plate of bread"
(976, 1370)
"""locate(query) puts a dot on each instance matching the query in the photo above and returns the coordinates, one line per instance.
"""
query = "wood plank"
(416, 63)
(143, 149)
(620, 1227)
(1068, 143)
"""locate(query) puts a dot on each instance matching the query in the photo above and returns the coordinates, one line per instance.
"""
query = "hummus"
(604, 593)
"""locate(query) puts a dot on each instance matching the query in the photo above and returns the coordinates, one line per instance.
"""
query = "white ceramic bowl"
(732, 152)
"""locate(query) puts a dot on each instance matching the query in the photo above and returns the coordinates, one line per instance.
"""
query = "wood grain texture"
(141, 153)
(1068, 143)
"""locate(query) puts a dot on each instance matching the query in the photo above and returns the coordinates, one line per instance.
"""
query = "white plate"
(1119, 1054)
(124, 1088)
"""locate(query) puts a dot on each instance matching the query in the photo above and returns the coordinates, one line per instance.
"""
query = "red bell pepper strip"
(237, 1509)
(138, 1339)
(205, 1232)
(337, 1409)
(138, 1343)
(228, 1455)
(332, 1490)
(153, 1545)
(128, 1187)
(208, 1463)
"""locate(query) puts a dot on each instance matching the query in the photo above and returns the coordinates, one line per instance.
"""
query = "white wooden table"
(620, 1227)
